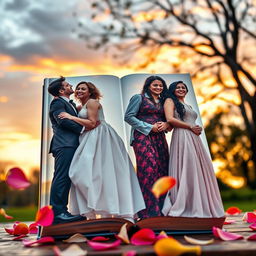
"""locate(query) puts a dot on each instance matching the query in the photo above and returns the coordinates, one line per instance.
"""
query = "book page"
(111, 102)
(133, 84)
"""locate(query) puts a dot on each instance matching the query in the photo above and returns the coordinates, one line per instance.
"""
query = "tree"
(218, 36)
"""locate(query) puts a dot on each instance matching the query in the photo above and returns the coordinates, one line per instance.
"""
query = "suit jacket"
(65, 132)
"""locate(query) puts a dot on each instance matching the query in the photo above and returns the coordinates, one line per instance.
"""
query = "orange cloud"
(4, 99)
(149, 16)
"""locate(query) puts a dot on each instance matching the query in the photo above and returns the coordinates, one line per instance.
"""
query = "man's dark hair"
(55, 86)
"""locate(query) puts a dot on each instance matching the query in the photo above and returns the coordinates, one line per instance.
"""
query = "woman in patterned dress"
(145, 114)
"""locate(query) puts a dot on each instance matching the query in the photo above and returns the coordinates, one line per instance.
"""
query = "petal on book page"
(72, 250)
(144, 236)
(43, 240)
(129, 253)
(162, 185)
(19, 237)
(192, 240)
(3, 212)
(252, 237)
(170, 246)
(76, 238)
(233, 210)
(227, 222)
(33, 228)
(97, 246)
(253, 226)
(9, 230)
(45, 216)
(100, 238)
(225, 236)
(16, 179)
(161, 235)
(20, 229)
(123, 235)
(249, 217)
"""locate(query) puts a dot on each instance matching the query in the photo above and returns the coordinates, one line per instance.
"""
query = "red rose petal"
(144, 236)
(233, 210)
(18, 237)
(43, 240)
(227, 222)
(20, 229)
(252, 237)
(33, 228)
(225, 236)
(97, 246)
(100, 238)
(250, 217)
(253, 226)
(45, 216)
(9, 230)
(16, 179)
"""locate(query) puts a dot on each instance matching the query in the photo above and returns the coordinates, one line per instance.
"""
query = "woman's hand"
(63, 115)
(196, 129)
(155, 127)
(163, 126)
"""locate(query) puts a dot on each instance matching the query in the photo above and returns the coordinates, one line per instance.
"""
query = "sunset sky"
(38, 39)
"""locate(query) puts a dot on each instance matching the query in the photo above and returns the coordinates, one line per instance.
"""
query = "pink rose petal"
(45, 216)
(250, 217)
(253, 226)
(225, 236)
(252, 237)
(43, 240)
(161, 235)
(33, 228)
(19, 237)
(100, 238)
(16, 179)
(9, 230)
(97, 246)
(144, 236)
(129, 253)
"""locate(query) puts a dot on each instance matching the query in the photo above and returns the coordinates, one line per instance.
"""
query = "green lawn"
(244, 205)
(20, 214)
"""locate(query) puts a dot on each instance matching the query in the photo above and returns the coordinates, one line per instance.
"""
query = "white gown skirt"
(103, 177)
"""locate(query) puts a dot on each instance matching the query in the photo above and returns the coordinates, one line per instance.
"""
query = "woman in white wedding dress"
(102, 175)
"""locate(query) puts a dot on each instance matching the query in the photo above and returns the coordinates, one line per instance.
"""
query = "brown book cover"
(111, 226)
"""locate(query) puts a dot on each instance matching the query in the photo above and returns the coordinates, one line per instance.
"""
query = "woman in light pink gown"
(196, 193)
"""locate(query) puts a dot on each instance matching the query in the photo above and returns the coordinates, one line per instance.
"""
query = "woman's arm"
(91, 121)
(169, 115)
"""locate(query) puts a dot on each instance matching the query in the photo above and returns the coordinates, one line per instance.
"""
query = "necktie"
(73, 104)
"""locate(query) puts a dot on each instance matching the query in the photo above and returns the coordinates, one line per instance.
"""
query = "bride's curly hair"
(94, 91)
(178, 105)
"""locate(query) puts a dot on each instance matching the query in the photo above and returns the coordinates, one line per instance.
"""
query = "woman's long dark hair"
(148, 82)
(178, 105)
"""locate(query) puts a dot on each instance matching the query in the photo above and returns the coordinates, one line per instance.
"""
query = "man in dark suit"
(63, 146)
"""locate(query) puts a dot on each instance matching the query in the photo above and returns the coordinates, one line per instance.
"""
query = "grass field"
(29, 213)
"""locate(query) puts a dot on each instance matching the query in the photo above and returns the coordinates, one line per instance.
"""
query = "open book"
(116, 95)
(111, 226)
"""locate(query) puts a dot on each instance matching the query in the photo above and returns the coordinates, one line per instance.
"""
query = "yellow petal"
(171, 247)
(197, 241)
(76, 238)
(162, 185)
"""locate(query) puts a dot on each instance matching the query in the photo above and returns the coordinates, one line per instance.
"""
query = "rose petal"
(225, 236)
(123, 235)
(97, 246)
(233, 210)
(20, 229)
(45, 216)
(227, 222)
(17, 179)
(18, 237)
(129, 253)
(3, 212)
(43, 240)
(76, 238)
(162, 185)
(170, 246)
(33, 228)
(144, 236)
(100, 238)
(252, 237)
(9, 230)
(192, 240)
(72, 250)
(249, 217)
(253, 226)
(161, 235)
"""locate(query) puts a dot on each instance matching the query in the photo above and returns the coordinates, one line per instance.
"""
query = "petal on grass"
(144, 236)
(123, 235)
(192, 240)
(3, 212)
(45, 216)
(97, 246)
(76, 238)
(43, 240)
(17, 179)
(225, 236)
(170, 246)
(233, 210)
(72, 250)
(20, 229)
(162, 185)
